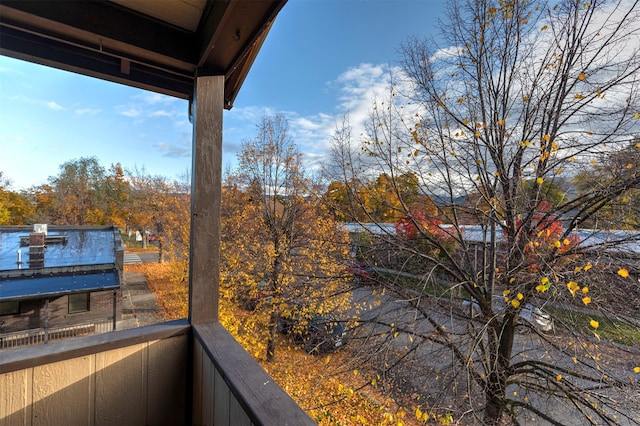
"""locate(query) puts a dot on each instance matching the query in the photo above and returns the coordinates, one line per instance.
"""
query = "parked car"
(530, 316)
(317, 334)
(251, 298)
(362, 273)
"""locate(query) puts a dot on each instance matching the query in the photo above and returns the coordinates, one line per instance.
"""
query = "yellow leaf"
(623, 273)
(594, 323)
(559, 377)
(520, 296)
(588, 266)
(515, 303)
(586, 300)
(539, 180)
(418, 413)
(544, 280)
(543, 28)
(546, 138)
(573, 287)
(511, 280)
(636, 370)
(501, 122)
(581, 76)
(477, 134)
(558, 244)
(636, 115)
(578, 96)
(585, 290)
(506, 292)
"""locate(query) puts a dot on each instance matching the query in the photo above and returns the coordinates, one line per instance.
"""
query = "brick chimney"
(36, 249)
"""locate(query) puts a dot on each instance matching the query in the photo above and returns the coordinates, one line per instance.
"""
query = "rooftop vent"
(40, 228)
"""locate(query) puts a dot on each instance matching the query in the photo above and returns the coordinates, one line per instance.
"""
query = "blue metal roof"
(84, 246)
(76, 259)
(37, 288)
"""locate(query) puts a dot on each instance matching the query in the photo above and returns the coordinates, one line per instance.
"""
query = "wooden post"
(206, 192)
(46, 321)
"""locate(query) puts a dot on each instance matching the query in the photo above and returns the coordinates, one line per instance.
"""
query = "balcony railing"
(39, 336)
(164, 374)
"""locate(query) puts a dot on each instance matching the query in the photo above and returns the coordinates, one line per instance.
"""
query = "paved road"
(428, 367)
(140, 257)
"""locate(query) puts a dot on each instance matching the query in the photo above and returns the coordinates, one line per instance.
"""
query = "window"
(78, 302)
(9, 308)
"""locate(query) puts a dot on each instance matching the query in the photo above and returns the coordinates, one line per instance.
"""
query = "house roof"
(74, 259)
(49, 286)
(82, 246)
(160, 46)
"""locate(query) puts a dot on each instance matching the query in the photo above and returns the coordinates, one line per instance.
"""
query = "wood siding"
(138, 384)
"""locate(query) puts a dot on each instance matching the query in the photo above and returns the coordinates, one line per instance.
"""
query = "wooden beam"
(206, 192)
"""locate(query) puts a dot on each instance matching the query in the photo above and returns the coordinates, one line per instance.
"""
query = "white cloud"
(87, 111)
(151, 98)
(174, 150)
(54, 106)
(162, 113)
(47, 104)
(357, 88)
(129, 111)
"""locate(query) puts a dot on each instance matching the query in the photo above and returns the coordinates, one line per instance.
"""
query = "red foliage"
(548, 230)
(406, 227)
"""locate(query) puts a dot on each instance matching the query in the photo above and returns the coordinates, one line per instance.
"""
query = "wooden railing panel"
(15, 389)
(105, 379)
(167, 390)
(243, 392)
(63, 392)
(121, 369)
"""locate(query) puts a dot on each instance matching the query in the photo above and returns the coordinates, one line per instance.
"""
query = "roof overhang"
(160, 46)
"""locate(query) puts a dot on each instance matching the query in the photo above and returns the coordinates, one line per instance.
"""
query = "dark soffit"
(152, 45)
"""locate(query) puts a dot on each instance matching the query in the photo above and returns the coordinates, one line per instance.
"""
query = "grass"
(612, 329)
(429, 287)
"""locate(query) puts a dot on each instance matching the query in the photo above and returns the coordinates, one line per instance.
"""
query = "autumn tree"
(15, 208)
(281, 248)
(77, 193)
(161, 206)
(524, 93)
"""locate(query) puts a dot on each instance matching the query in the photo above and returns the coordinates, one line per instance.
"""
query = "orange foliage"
(330, 393)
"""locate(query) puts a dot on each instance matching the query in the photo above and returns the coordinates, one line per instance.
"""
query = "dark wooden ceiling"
(154, 45)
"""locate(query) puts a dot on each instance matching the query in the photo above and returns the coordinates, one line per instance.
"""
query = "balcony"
(185, 372)
(164, 374)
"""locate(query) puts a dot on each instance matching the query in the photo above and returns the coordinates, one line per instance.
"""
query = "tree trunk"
(493, 411)
(271, 340)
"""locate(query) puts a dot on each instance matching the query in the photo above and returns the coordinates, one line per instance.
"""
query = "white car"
(529, 316)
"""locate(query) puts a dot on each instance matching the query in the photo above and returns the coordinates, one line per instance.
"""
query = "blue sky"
(321, 60)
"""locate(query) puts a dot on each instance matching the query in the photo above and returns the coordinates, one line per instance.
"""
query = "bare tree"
(526, 95)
